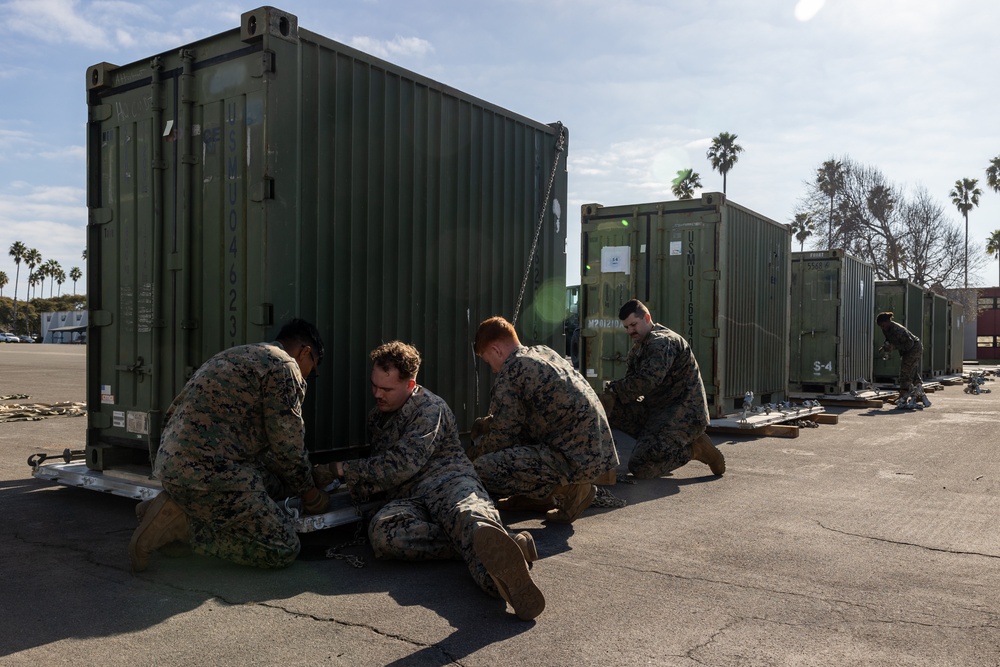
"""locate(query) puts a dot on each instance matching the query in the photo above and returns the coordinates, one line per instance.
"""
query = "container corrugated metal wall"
(833, 298)
(267, 173)
(935, 336)
(713, 271)
(906, 301)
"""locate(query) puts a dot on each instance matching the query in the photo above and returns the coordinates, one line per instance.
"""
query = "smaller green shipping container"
(711, 270)
(935, 335)
(906, 301)
(956, 337)
(833, 297)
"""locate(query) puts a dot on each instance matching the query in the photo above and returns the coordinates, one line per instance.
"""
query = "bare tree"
(902, 234)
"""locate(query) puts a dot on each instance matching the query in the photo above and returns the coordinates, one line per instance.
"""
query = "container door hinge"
(264, 190)
(101, 318)
(264, 315)
(189, 324)
(100, 216)
(99, 112)
(711, 275)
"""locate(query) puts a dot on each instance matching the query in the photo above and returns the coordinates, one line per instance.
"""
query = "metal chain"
(359, 539)
(560, 147)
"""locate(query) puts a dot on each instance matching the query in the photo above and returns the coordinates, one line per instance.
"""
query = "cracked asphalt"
(873, 541)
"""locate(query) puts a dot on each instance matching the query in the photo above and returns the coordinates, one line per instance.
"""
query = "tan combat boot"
(163, 523)
(505, 563)
(573, 499)
(519, 503)
(703, 450)
(527, 544)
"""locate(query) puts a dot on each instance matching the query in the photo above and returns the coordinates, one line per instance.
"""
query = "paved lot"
(874, 541)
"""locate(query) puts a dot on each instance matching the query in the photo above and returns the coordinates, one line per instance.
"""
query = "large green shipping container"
(267, 173)
(905, 300)
(711, 270)
(833, 297)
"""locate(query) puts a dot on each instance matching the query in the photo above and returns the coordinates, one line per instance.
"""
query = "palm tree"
(723, 154)
(17, 250)
(60, 279)
(75, 274)
(35, 279)
(965, 196)
(802, 228)
(993, 245)
(830, 181)
(3, 281)
(684, 185)
(32, 258)
(51, 270)
(993, 174)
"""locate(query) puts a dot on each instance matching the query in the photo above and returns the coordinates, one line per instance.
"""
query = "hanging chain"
(560, 147)
(359, 539)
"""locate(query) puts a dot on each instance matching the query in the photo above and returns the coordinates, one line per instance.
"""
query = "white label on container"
(138, 422)
(675, 248)
(615, 259)
(118, 419)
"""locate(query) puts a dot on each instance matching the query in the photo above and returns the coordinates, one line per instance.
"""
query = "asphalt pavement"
(871, 541)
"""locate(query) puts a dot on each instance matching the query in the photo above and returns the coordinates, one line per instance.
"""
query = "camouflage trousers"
(525, 470)
(238, 523)
(909, 368)
(663, 440)
(437, 525)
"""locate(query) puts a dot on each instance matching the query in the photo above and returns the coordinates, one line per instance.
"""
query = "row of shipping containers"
(268, 172)
(759, 317)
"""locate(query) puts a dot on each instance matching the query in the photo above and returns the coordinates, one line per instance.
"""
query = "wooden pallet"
(861, 399)
(776, 424)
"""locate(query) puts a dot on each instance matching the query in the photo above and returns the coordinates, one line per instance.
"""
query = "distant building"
(987, 325)
(65, 326)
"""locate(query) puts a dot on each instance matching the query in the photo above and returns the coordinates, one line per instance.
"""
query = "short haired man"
(548, 437)
(437, 507)
(235, 427)
(911, 350)
(661, 400)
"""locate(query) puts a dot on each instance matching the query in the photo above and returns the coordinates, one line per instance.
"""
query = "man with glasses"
(232, 441)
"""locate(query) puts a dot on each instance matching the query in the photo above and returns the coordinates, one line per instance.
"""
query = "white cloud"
(397, 47)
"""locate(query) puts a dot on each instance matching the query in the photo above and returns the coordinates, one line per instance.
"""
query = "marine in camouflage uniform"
(548, 428)
(910, 348)
(661, 400)
(235, 426)
(436, 502)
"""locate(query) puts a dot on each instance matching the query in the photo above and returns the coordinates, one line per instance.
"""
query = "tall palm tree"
(35, 279)
(684, 185)
(723, 154)
(17, 250)
(51, 270)
(993, 174)
(60, 279)
(3, 281)
(32, 258)
(993, 245)
(830, 181)
(75, 274)
(965, 196)
(802, 227)
(84, 254)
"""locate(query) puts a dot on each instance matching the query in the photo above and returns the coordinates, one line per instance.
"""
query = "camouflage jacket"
(900, 338)
(661, 369)
(242, 407)
(540, 399)
(413, 450)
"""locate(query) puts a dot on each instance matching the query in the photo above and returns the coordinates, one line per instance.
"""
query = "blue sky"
(643, 85)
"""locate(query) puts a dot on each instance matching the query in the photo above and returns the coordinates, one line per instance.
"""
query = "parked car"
(26, 339)
(9, 338)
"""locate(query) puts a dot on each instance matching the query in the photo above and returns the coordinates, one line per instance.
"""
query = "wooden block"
(826, 418)
(771, 430)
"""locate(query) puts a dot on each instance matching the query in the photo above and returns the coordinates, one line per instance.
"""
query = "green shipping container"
(833, 296)
(711, 270)
(267, 173)
(906, 301)
(956, 337)
(935, 336)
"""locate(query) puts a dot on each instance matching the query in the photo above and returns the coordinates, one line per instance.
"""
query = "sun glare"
(805, 10)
